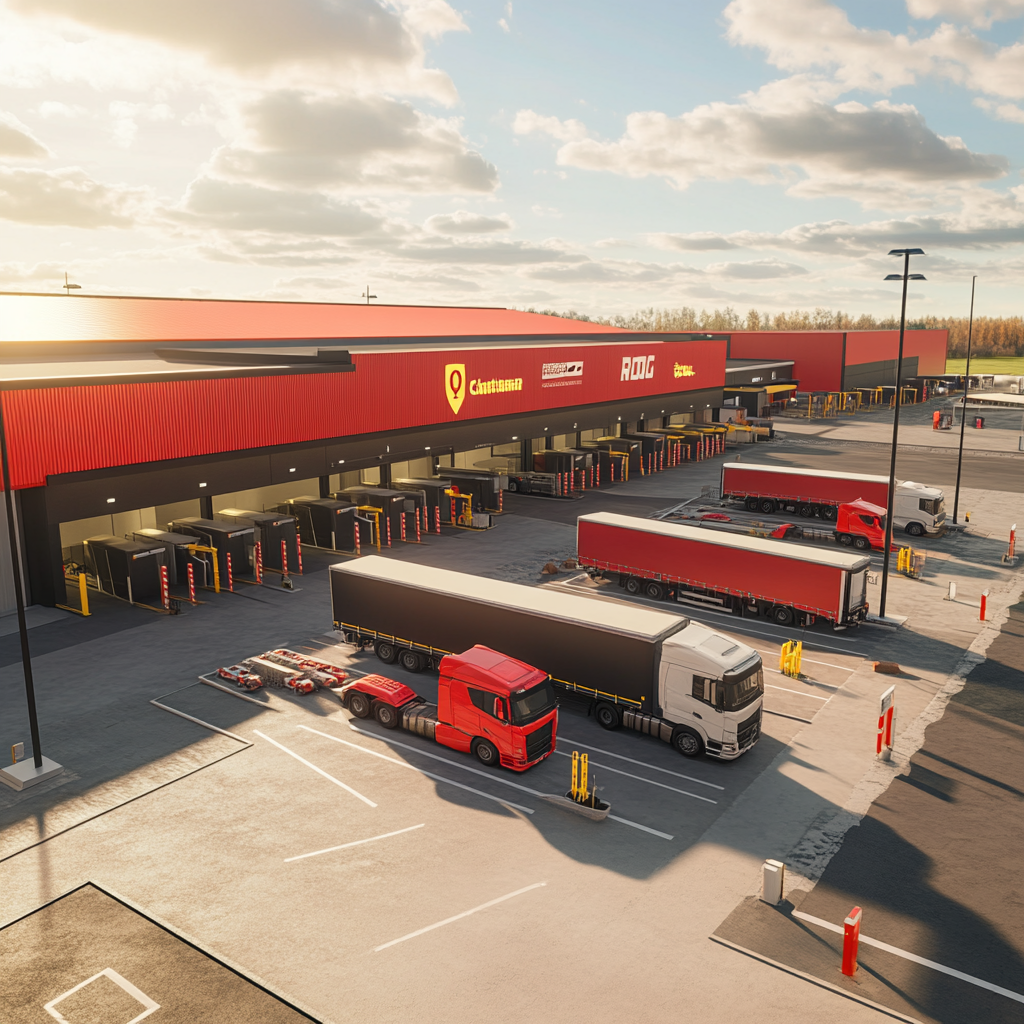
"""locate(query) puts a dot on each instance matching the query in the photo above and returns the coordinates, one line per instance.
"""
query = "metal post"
(19, 597)
(963, 414)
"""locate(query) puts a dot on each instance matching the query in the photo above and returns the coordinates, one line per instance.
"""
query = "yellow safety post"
(573, 788)
(216, 568)
(83, 594)
(375, 512)
(790, 657)
(580, 788)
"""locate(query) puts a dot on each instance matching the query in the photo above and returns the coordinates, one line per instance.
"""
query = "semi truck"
(917, 509)
(501, 710)
(746, 575)
(652, 671)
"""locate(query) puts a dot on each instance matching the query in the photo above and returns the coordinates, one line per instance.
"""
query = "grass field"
(999, 364)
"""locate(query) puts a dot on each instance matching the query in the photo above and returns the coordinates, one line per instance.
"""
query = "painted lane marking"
(358, 842)
(650, 782)
(792, 718)
(642, 764)
(811, 661)
(459, 917)
(799, 693)
(319, 771)
(429, 775)
(970, 979)
(487, 775)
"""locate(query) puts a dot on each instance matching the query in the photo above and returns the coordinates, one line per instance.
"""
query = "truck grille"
(749, 730)
(538, 743)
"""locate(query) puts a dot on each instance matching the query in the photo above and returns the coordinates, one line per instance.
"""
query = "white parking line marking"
(476, 771)
(799, 693)
(358, 842)
(650, 782)
(412, 767)
(319, 771)
(792, 718)
(811, 661)
(913, 957)
(642, 764)
(459, 917)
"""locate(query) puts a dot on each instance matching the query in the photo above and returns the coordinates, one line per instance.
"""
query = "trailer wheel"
(359, 705)
(829, 513)
(513, 485)
(861, 543)
(607, 715)
(486, 753)
(915, 529)
(782, 615)
(687, 742)
(844, 538)
(385, 714)
(807, 511)
(656, 590)
(410, 661)
(633, 585)
(751, 504)
(385, 651)
(767, 506)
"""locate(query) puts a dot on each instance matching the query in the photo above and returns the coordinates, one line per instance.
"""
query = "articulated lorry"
(648, 670)
(497, 708)
(786, 583)
(917, 509)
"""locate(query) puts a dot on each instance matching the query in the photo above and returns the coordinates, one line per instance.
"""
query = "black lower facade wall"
(877, 374)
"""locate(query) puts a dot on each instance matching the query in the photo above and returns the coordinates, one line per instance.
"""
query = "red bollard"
(284, 558)
(358, 549)
(165, 594)
(387, 519)
(258, 558)
(418, 525)
(231, 582)
(437, 518)
(984, 603)
(298, 549)
(403, 527)
(851, 942)
(191, 584)
(501, 501)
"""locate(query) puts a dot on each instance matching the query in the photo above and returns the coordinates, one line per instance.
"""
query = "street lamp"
(366, 295)
(963, 412)
(904, 277)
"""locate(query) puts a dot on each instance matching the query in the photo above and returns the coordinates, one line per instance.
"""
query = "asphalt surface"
(935, 866)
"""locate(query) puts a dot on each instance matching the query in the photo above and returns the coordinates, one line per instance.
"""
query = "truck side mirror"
(499, 709)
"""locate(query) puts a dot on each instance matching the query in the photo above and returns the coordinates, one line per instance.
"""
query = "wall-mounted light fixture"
(202, 485)
(292, 470)
(110, 501)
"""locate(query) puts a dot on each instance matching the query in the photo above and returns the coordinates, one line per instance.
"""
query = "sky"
(584, 154)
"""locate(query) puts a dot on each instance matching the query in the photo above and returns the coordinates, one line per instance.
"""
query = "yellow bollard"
(83, 592)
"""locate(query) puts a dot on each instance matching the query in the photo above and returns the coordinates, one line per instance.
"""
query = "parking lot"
(366, 874)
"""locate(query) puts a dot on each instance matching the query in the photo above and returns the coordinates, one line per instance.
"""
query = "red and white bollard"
(165, 593)
(1010, 555)
(231, 582)
(851, 942)
(355, 530)
(284, 558)
(387, 519)
(258, 559)
(191, 584)
(298, 549)
(437, 518)
(501, 501)
(418, 525)
(984, 604)
(886, 724)
(403, 527)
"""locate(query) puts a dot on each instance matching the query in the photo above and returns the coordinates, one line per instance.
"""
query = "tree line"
(992, 335)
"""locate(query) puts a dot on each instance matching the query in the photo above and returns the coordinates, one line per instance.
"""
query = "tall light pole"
(904, 277)
(963, 412)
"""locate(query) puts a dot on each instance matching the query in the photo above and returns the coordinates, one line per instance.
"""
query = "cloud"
(496, 253)
(698, 241)
(210, 202)
(527, 122)
(1001, 111)
(846, 149)
(756, 270)
(68, 197)
(366, 142)
(462, 222)
(17, 142)
(980, 13)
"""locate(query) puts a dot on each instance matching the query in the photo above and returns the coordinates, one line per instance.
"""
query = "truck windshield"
(930, 505)
(534, 703)
(740, 692)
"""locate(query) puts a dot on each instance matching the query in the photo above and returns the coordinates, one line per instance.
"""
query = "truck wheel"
(385, 651)
(410, 661)
(386, 715)
(656, 590)
(915, 529)
(359, 705)
(486, 753)
(861, 543)
(767, 506)
(513, 485)
(751, 504)
(807, 511)
(844, 538)
(687, 742)
(828, 513)
(633, 585)
(607, 716)
(782, 615)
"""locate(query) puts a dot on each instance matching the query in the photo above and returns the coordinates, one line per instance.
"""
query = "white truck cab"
(714, 687)
(918, 509)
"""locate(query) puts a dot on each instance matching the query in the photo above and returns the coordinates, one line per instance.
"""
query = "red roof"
(484, 667)
(25, 317)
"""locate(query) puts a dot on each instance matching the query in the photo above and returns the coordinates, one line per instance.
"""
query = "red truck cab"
(499, 709)
(862, 524)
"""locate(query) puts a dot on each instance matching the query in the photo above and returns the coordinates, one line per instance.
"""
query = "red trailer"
(725, 572)
(809, 492)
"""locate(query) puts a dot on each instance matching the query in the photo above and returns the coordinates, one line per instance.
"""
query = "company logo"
(495, 386)
(637, 368)
(679, 370)
(455, 385)
(552, 371)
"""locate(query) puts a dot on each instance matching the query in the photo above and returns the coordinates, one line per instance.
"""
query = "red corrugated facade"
(67, 430)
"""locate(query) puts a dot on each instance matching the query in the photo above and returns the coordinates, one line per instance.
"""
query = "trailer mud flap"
(648, 725)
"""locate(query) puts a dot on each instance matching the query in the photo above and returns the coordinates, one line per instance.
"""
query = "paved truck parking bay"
(358, 874)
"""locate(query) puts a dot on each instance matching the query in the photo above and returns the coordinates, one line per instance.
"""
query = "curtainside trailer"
(652, 671)
(723, 571)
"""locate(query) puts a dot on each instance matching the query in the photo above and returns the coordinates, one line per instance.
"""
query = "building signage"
(679, 370)
(455, 385)
(637, 368)
(560, 375)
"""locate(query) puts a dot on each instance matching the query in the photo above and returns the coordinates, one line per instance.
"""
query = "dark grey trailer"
(276, 533)
(390, 502)
(485, 485)
(228, 538)
(652, 449)
(176, 553)
(125, 568)
(433, 489)
(326, 523)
